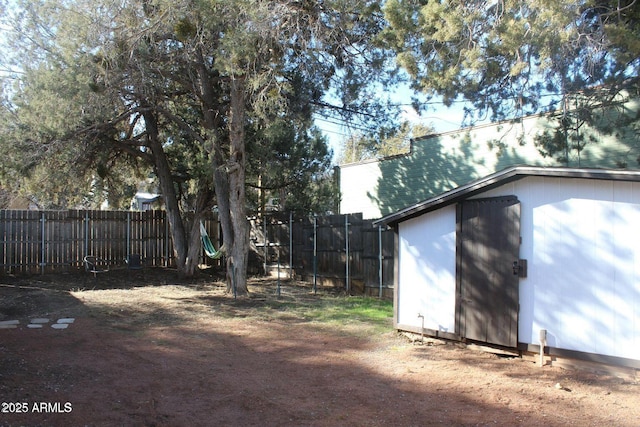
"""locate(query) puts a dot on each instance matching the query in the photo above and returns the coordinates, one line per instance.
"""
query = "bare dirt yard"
(149, 349)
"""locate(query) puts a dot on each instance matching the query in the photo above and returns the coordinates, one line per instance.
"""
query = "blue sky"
(439, 117)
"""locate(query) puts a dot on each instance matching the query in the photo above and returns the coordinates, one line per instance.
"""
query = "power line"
(342, 108)
(345, 124)
(331, 114)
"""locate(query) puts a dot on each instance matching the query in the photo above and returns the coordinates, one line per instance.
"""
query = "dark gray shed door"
(488, 242)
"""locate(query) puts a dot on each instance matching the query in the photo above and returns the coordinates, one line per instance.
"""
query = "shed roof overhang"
(497, 179)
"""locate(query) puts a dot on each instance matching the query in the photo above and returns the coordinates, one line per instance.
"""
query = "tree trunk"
(193, 253)
(229, 176)
(222, 171)
(222, 197)
(203, 204)
(163, 171)
(236, 167)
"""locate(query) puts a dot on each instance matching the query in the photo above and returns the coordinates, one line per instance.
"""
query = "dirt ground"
(151, 350)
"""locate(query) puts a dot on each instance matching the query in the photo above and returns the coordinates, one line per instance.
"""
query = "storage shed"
(526, 254)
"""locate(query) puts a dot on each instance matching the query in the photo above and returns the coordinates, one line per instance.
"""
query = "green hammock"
(208, 246)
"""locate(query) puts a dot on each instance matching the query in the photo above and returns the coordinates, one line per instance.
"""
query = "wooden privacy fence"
(49, 241)
(334, 250)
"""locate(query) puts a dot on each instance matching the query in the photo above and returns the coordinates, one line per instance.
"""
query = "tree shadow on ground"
(199, 368)
(227, 373)
(29, 296)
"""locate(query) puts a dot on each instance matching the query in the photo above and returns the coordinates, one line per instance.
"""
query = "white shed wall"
(582, 242)
(427, 270)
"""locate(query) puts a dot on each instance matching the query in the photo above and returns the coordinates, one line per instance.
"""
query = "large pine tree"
(509, 58)
(153, 80)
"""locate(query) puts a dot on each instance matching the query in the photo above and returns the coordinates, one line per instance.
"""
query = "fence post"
(266, 243)
(290, 245)
(315, 253)
(43, 260)
(380, 258)
(128, 235)
(167, 240)
(346, 244)
(278, 288)
(86, 234)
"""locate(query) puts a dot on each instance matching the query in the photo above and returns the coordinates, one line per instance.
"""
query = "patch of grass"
(351, 309)
(335, 311)
(176, 304)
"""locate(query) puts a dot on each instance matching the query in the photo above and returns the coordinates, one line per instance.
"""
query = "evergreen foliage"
(510, 58)
(206, 94)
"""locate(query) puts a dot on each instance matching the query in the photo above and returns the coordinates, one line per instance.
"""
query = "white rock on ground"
(60, 325)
